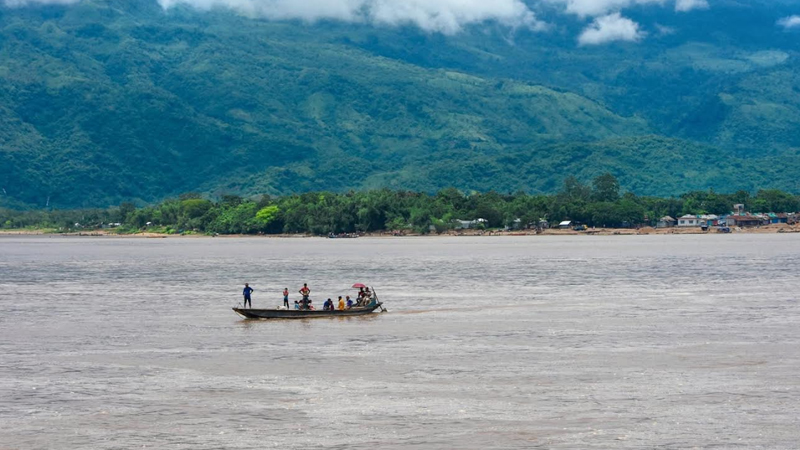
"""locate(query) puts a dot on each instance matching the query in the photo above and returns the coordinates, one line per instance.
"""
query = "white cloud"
(790, 22)
(18, 3)
(664, 30)
(444, 16)
(593, 8)
(689, 5)
(280, 9)
(610, 28)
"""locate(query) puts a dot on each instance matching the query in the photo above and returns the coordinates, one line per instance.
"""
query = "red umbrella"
(359, 285)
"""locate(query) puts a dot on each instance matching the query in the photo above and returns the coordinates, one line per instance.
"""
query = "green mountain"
(105, 101)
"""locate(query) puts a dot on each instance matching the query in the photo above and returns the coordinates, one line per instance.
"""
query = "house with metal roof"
(744, 221)
(666, 222)
(693, 220)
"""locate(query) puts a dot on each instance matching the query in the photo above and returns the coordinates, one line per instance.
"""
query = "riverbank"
(766, 229)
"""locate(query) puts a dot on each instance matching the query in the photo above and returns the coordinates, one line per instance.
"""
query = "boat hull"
(304, 314)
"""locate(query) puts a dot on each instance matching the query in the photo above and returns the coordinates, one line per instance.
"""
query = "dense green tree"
(267, 215)
(772, 200)
(125, 210)
(605, 188)
(325, 212)
(574, 190)
(195, 207)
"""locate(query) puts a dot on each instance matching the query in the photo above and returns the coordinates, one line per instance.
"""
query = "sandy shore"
(767, 229)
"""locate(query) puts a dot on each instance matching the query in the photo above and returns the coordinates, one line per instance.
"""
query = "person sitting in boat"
(370, 298)
(328, 305)
(296, 304)
(364, 298)
(349, 302)
(341, 304)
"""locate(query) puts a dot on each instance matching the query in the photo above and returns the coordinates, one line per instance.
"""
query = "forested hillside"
(106, 101)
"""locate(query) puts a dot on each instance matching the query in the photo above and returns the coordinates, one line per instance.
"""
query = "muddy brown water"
(490, 343)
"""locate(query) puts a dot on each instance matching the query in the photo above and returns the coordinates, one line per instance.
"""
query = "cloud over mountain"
(609, 28)
(594, 8)
(18, 3)
(444, 16)
(441, 16)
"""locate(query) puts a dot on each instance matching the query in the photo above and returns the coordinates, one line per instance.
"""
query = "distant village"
(738, 218)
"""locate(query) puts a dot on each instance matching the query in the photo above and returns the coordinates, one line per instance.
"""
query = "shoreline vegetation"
(644, 231)
(597, 209)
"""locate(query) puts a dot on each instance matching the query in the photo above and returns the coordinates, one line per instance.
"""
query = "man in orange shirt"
(305, 292)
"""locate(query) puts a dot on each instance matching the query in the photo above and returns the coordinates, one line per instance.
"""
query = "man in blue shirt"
(246, 292)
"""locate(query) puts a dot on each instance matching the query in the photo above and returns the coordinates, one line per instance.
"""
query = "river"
(571, 342)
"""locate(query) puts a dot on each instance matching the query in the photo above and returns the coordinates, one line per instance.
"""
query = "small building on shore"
(666, 222)
(710, 220)
(469, 224)
(689, 220)
(743, 221)
(778, 218)
(565, 224)
(705, 220)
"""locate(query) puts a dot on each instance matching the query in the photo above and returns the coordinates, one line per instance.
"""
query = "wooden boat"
(307, 313)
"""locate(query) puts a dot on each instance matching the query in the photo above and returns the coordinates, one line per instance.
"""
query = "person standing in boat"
(286, 297)
(246, 292)
(305, 292)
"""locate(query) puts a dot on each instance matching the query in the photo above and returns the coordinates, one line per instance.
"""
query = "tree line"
(599, 203)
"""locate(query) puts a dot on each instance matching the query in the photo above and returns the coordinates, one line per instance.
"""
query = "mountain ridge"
(109, 102)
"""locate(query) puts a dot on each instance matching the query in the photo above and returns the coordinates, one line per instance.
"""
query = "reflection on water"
(521, 342)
